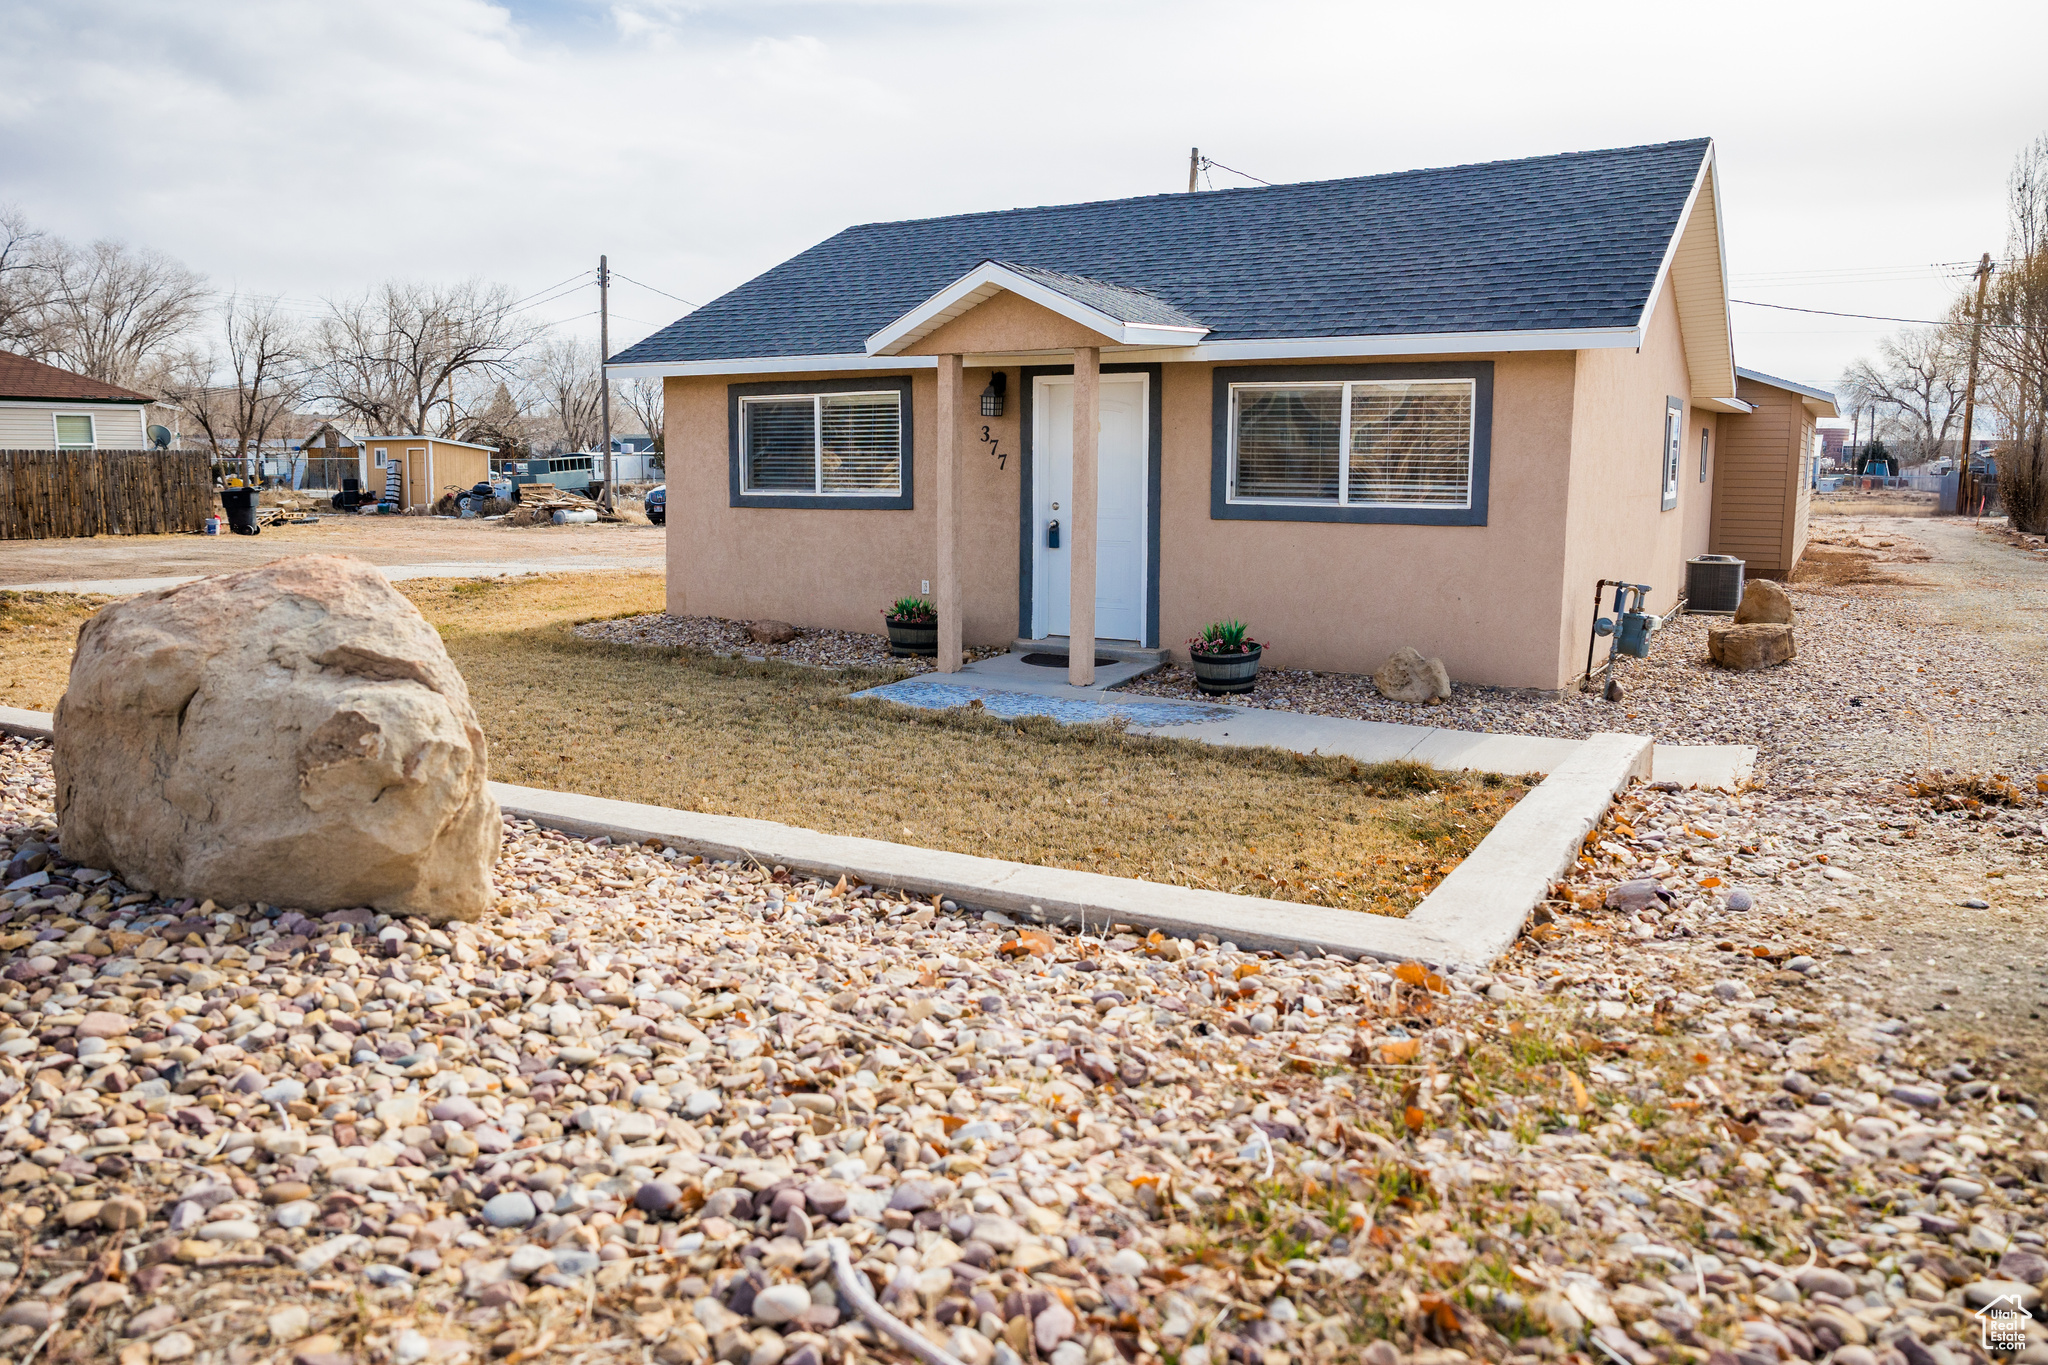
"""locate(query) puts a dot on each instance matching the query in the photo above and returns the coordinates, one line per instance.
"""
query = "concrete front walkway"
(1009, 691)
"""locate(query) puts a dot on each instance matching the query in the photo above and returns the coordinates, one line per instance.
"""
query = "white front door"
(1120, 510)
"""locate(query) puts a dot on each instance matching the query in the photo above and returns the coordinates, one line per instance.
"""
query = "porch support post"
(1081, 587)
(946, 490)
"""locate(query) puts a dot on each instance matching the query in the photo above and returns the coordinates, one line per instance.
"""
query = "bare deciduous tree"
(563, 373)
(643, 399)
(109, 310)
(24, 285)
(404, 358)
(2014, 342)
(265, 377)
(1914, 389)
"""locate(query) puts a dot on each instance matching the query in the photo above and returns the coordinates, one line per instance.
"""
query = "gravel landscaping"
(1880, 682)
(1763, 1083)
(626, 1116)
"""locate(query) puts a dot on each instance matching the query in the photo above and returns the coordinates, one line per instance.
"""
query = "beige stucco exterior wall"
(1574, 496)
(1006, 322)
(1616, 525)
(32, 426)
(827, 567)
(1340, 596)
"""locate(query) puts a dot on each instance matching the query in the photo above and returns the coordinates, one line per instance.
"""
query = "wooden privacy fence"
(48, 494)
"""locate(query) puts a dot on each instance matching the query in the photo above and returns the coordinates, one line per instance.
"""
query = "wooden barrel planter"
(909, 639)
(1222, 675)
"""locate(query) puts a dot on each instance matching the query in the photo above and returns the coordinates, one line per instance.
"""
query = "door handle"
(1052, 535)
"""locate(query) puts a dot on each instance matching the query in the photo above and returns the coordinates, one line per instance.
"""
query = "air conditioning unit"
(1713, 584)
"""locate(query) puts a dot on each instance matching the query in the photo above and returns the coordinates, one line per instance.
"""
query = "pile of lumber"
(538, 503)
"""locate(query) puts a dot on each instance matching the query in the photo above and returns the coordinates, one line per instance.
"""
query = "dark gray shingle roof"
(1118, 301)
(1789, 385)
(1547, 243)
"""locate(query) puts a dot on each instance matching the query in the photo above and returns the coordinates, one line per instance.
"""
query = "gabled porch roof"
(1124, 316)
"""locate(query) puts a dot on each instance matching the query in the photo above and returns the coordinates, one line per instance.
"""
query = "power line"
(551, 288)
(1208, 162)
(1830, 313)
(622, 275)
(1879, 317)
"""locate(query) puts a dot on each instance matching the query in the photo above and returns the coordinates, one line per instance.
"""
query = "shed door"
(418, 477)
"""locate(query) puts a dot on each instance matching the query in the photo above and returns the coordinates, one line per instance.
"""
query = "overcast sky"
(307, 149)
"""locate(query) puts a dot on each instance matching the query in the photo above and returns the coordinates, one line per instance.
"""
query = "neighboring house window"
(831, 443)
(74, 431)
(1674, 438)
(1384, 443)
(383, 457)
(1703, 454)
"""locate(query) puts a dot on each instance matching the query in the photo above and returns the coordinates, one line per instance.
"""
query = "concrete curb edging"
(1472, 917)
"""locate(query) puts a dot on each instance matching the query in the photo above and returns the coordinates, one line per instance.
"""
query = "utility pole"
(1966, 480)
(604, 382)
(1194, 166)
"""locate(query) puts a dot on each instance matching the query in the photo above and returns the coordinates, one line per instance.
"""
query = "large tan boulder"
(293, 734)
(1763, 602)
(1747, 647)
(1407, 676)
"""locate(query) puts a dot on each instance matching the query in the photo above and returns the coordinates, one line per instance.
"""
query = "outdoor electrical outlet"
(927, 585)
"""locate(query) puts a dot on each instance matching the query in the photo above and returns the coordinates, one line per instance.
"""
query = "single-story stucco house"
(43, 407)
(1430, 408)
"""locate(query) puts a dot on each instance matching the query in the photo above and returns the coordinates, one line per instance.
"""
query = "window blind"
(781, 445)
(1287, 442)
(860, 443)
(1411, 443)
(1365, 443)
(846, 443)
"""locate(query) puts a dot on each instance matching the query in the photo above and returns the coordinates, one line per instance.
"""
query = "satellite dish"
(160, 437)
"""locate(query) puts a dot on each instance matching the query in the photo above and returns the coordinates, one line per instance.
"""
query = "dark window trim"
(1671, 454)
(805, 388)
(1221, 508)
(1026, 529)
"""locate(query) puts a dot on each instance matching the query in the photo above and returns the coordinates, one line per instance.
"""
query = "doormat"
(1060, 660)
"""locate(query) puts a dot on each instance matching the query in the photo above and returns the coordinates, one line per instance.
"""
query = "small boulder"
(1763, 603)
(770, 632)
(1409, 677)
(1747, 648)
(293, 733)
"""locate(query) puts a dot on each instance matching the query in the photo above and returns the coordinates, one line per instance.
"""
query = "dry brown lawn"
(37, 630)
(777, 742)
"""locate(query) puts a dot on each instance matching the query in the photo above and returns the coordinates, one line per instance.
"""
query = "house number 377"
(995, 448)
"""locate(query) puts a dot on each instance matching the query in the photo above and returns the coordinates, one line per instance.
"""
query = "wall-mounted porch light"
(992, 396)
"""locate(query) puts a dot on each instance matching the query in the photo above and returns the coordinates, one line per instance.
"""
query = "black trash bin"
(241, 509)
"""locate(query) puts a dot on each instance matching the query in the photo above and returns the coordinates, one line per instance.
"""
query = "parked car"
(656, 504)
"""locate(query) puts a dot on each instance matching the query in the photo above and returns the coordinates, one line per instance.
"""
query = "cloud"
(312, 148)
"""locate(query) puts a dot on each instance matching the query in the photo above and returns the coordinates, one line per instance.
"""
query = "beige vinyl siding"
(1804, 473)
(32, 426)
(1760, 495)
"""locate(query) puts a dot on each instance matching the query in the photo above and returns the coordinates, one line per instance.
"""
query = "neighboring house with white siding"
(45, 408)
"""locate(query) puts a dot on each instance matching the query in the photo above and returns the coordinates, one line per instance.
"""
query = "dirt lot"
(381, 540)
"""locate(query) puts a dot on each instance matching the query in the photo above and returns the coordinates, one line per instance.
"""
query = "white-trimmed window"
(74, 431)
(822, 444)
(1674, 440)
(1398, 443)
(383, 457)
